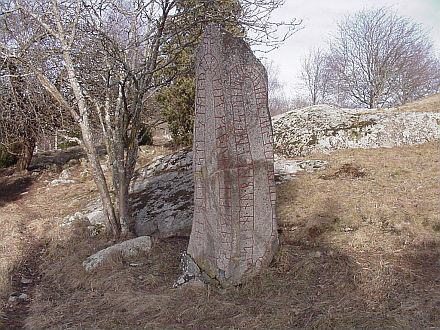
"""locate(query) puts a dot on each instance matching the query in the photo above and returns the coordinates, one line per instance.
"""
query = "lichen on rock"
(324, 128)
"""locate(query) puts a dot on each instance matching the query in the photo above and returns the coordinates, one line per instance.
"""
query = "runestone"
(234, 231)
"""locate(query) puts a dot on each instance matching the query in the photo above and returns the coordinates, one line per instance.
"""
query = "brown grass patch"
(30, 215)
(361, 252)
(428, 104)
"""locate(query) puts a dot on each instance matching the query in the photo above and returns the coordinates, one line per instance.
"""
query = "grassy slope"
(356, 252)
(429, 103)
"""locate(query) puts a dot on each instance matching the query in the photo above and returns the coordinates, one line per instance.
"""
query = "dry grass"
(429, 103)
(357, 251)
(30, 214)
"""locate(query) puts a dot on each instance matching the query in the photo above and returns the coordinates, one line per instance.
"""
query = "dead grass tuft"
(348, 171)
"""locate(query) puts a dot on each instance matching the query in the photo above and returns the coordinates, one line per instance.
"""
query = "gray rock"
(25, 280)
(323, 128)
(94, 213)
(92, 218)
(57, 182)
(63, 178)
(23, 297)
(162, 195)
(18, 297)
(287, 169)
(73, 162)
(126, 249)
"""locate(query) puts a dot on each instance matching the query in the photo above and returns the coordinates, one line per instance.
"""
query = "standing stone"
(234, 231)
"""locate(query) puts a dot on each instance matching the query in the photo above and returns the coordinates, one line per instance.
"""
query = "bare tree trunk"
(100, 180)
(373, 100)
(26, 153)
(125, 217)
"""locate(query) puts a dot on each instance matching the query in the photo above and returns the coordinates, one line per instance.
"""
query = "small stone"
(318, 254)
(12, 299)
(348, 229)
(65, 174)
(23, 297)
(73, 162)
(25, 280)
(398, 227)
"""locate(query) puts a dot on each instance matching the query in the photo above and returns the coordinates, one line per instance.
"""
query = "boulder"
(64, 178)
(324, 128)
(126, 249)
(162, 194)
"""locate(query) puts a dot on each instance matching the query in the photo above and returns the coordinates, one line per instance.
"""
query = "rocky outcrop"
(324, 128)
(163, 192)
(162, 195)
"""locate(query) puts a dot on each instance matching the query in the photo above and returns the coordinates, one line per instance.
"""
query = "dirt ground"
(360, 247)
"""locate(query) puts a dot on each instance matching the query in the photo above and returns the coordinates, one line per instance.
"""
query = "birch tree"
(376, 53)
(315, 75)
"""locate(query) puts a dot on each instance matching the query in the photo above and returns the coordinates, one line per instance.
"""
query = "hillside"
(429, 103)
(360, 247)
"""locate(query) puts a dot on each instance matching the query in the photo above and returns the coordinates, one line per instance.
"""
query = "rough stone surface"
(64, 178)
(126, 249)
(323, 128)
(92, 214)
(234, 231)
(163, 195)
(18, 297)
(287, 169)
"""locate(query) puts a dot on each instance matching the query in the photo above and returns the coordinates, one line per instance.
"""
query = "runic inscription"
(234, 229)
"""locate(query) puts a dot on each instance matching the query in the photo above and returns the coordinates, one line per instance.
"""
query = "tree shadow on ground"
(13, 187)
(23, 277)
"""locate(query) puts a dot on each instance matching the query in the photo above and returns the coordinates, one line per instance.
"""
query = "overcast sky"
(320, 19)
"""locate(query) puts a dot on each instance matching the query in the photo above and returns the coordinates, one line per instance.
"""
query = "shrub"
(177, 108)
(145, 136)
(6, 159)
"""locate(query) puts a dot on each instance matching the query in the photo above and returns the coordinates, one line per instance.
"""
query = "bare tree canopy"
(103, 60)
(379, 58)
(315, 75)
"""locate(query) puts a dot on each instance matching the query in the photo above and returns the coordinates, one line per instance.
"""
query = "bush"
(6, 159)
(177, 108)
(67, 144)
(145, 136)
(64, 144)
